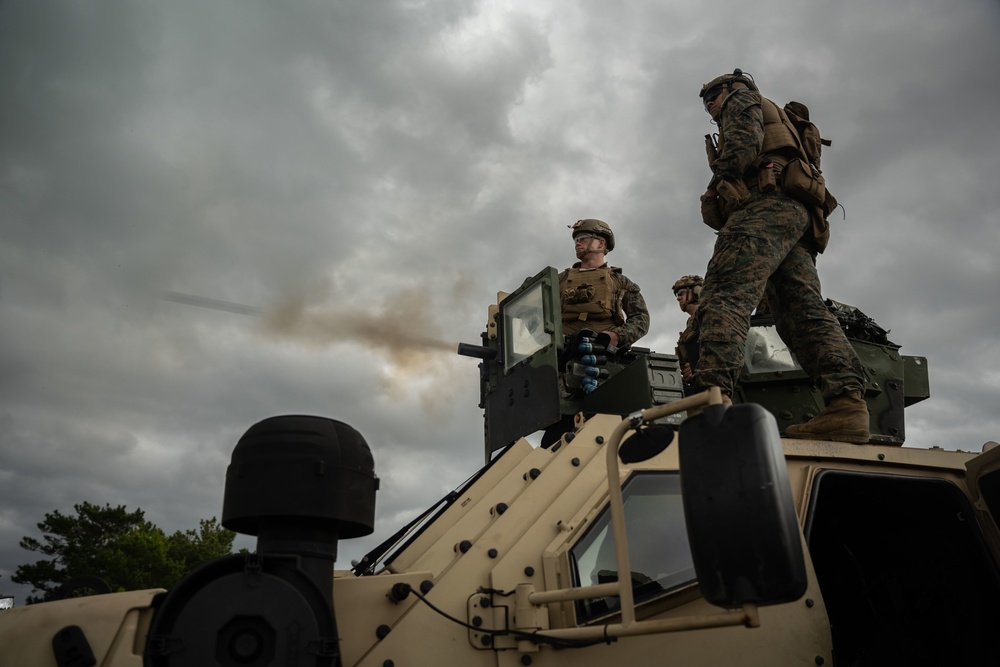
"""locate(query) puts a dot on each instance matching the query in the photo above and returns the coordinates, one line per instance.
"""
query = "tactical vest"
(687, 343)
(589, 299)
(781, 142)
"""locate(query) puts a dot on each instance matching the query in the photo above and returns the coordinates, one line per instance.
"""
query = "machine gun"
(533, 377)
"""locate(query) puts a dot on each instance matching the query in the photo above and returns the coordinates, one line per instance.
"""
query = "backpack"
(802, 178)
(811, 142)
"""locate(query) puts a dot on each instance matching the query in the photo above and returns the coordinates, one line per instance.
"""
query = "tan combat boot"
(844, 419)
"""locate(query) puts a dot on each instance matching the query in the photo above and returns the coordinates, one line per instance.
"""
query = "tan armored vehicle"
(742, 548)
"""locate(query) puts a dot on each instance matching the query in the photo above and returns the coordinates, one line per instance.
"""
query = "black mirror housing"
(741, 520)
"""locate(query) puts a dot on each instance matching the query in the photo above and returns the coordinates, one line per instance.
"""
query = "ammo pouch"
(735, 193)
(765, 177)
(711, 213)
(802, 183)
(806, 184)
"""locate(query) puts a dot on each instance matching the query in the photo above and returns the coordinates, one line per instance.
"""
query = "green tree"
(120, 547)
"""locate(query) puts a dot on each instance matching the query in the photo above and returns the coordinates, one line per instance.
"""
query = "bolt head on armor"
(594, 226)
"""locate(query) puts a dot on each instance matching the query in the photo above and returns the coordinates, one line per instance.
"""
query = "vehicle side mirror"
(741, 520)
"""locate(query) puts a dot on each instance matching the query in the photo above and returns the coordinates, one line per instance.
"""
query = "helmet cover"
(596, 227)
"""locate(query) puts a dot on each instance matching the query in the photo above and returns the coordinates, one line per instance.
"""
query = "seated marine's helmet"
(727, 82)
(692, 283)
(596, 227)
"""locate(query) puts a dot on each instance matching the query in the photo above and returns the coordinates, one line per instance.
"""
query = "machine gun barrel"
(476, 351)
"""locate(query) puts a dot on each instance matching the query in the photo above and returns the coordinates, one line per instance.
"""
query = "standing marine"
(768, 240)
(599, 297)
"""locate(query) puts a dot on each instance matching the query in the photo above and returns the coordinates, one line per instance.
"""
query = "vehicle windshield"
(659, 554)
(524, 326)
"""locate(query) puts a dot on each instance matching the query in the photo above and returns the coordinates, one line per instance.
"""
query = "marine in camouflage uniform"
(688, 339)
(599, 297)
(766, 242)
(687, 291)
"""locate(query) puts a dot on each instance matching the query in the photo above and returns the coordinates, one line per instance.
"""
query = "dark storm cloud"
(414, 159)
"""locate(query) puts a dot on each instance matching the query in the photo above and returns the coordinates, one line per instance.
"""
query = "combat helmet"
(692, 283)
(597, 227)
(727, 82)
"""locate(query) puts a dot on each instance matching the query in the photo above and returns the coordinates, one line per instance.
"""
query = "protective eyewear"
(710, 95)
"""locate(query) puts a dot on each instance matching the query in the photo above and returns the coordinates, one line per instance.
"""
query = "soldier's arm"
(743, 122)
(636, 315)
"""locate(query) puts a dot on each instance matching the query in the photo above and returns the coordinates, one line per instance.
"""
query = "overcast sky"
(368, 175)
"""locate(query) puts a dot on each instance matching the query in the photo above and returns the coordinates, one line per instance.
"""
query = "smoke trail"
(211, 304)
(403, 328)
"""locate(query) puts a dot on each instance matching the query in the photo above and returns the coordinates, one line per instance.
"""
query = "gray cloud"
(411, 160)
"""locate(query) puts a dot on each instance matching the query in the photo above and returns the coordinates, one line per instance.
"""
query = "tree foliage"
(120, 547)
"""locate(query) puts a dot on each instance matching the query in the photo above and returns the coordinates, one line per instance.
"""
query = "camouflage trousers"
(761, 248)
